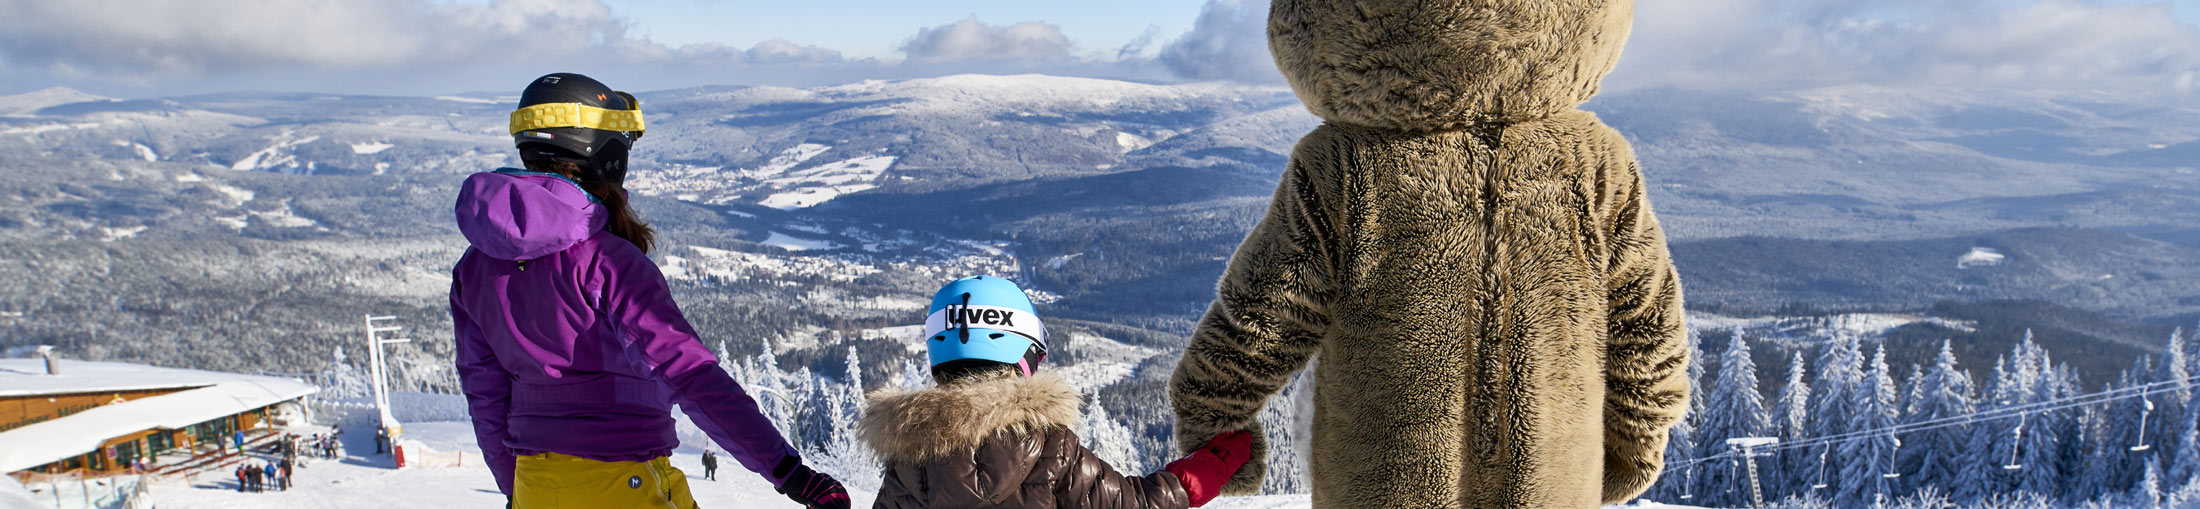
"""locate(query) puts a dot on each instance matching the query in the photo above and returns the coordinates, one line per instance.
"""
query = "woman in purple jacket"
(570, 348)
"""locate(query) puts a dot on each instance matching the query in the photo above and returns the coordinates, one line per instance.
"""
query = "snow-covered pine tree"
(2041, 449)
(1840, 369)
(2076, 435)
(1734, 409)
(761, 377)
(2086, 454)
(806, 395)
(913, 375)
(2169, 407)
(1934, 454)
(2117, 466)
(1680, 447)
(1110, 440)
(1787, 472)
(2188, 450)
(2150, 489)
(1869, 456)
(1287, 470)
(840, 452)
(1907, 459)
(1980, 473)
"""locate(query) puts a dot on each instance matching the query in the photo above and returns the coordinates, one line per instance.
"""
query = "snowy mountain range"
(250, 230)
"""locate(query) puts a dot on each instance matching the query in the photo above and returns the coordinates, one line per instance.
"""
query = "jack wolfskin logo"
(962, 317)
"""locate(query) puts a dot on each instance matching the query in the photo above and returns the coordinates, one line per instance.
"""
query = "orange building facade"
(119, 454)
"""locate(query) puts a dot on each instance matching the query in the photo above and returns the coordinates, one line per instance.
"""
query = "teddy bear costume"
(1472, 257)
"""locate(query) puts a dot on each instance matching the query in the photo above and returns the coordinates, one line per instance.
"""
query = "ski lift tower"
(380, 376)
(1744, 446)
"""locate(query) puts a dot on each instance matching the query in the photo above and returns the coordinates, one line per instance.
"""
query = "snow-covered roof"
(217, 395)
(27, 377)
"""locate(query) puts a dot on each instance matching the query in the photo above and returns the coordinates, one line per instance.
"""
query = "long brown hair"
(623, 222)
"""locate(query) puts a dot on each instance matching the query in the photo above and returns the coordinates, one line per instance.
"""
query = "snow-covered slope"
(367, 481)
(26, 103)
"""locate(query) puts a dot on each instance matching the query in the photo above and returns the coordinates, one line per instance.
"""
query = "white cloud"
(162, 41)
(186, 38)
(1228, 42)
(2068, 44)
(138, 47)
(971, 39)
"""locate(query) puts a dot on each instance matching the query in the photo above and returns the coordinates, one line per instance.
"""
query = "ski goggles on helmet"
(550, 115)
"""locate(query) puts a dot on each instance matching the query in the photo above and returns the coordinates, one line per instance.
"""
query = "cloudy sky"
(138, 48)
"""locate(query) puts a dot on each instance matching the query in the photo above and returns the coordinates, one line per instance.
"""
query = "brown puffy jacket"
(1003, 442)
(1472, 258)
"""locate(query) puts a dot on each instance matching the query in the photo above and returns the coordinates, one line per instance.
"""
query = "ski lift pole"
(380, 378)
(2141, 445)
(1745, 445)
(1822, 453)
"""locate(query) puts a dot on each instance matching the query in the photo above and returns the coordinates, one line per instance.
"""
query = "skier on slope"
(994, 434)
(571, 351)
(710, 465)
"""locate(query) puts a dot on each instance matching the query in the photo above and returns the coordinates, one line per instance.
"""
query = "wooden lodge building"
(96, 418)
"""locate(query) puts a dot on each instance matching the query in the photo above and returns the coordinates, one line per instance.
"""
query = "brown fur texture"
(1445, 64)
(1473, 259)
(998, 442)
(924, 425)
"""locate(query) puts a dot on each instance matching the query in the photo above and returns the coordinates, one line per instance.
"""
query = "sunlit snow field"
(367, 481)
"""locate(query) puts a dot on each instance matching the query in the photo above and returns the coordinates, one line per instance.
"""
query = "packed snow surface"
(369, 148)
(143, 152)
(474, 100)
(823, 183)
(363, 479)
(793, 243)
(30, 102)
(41, 128)
(1979, 257)
(114, 234)
(273, 156)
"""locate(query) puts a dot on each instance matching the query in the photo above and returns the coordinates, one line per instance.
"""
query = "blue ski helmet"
(984, 318)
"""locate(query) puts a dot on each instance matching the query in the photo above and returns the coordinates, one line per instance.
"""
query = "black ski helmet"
(570, 116)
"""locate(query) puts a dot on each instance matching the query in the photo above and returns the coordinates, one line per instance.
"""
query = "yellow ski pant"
(556, 481)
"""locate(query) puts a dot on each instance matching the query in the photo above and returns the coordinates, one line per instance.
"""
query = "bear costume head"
(1445, 64)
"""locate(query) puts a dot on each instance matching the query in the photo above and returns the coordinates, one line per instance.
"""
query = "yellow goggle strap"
(548, 115)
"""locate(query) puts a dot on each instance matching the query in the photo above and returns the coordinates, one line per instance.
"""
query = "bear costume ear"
(1445, 64)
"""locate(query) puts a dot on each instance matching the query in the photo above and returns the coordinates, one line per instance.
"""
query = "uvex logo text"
(965, 317)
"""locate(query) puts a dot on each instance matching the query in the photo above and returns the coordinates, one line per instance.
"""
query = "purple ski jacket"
(569, 342)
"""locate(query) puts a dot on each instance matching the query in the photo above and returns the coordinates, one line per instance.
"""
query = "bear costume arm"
(1266, 322)
(1646, 354)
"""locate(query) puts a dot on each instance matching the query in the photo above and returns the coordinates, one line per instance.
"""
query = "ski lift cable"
(2008, 411)
(2093, 398)
(1984, 415)
(1888, 431)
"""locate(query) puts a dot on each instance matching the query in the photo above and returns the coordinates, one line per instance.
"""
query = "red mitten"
(1205, 471)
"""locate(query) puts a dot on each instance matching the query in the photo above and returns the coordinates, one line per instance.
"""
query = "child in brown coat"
(993, 433)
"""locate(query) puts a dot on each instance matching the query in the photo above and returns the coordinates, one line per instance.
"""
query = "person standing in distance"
(571, 350)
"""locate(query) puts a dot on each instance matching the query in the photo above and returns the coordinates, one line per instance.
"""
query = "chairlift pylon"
(2014, 446)
(2141, 445)
(1822, 467)
(1688, 488)
(1892, 470)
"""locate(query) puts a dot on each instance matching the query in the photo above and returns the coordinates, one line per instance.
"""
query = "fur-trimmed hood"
(927, 424)
(1445, 64)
